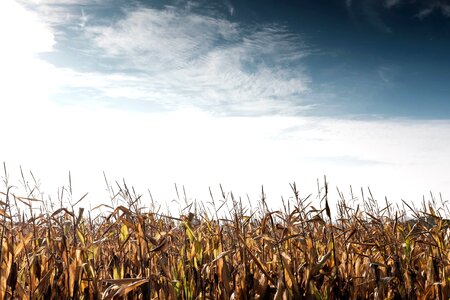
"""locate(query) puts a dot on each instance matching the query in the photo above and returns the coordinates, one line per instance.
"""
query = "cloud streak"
(425, 7)
(207, 62)
(391, 3)
(373, 10)
(430, 7)
(173, 58)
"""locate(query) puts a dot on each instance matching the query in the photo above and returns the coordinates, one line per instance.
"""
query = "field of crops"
(223, 249)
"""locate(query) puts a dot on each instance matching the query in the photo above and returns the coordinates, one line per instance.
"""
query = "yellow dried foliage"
(301, 253)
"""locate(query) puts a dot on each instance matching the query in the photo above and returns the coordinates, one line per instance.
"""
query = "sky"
(238, 93)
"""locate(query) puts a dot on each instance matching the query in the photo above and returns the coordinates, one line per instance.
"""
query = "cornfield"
(222, 249)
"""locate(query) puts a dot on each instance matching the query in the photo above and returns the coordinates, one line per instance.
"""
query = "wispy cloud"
(391, 3)
(388, 73)
(373, 10)
(229, 6)
(163, 59)
(370, 9)
(174, 57)
(370, 12)
(441, 6)
(424, 7)
(207, 62)
(428, 8)
(423, 13)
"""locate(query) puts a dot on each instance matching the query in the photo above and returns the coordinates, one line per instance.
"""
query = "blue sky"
(350, 58)
(236, 92)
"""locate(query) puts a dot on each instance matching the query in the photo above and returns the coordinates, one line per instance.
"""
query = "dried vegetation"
(221, 250)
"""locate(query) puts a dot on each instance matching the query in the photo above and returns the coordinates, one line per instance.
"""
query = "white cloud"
(61, 15)
(438, 6)
(182, 59)
(204, 61)
(63, 2)
(83, 19)
(427, 6)
(391, 3)
(230, 7)
(424, 12)
(24, 78)
(161, 37)
(22, 32)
